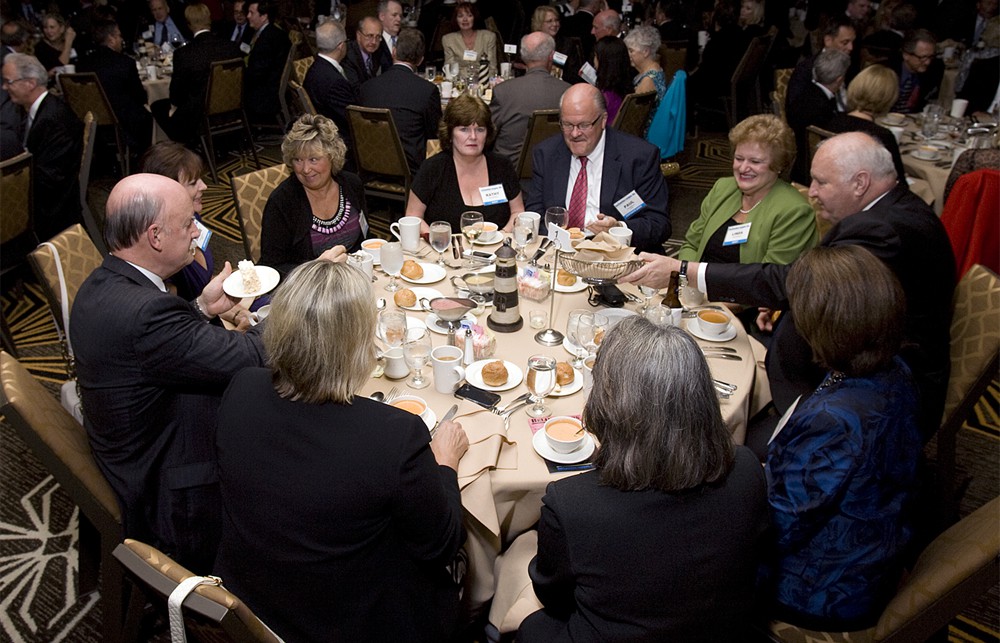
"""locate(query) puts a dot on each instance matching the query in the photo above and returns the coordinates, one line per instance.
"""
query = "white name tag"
(510, 49)
(559, 58)
(147, 35)
(470, 56)
(629, 204)
(204, 234)
(560, 237)
(493, 194)
(588, 73)
(245, 47)
(737, 234)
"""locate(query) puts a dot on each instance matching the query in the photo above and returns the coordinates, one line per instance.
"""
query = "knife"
(736, 358)
(447, 416)
(542, 247)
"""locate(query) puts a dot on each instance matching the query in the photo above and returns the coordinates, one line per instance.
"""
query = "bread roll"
(575, 233)
(405, 298)
(564, 278)
(564, 374)
(412, 270)
(495, 373)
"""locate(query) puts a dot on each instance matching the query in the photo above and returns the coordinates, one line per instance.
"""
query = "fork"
(515, 407)
(503, 409)
(392, 394)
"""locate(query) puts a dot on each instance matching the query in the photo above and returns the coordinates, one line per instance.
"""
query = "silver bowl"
(599, 273)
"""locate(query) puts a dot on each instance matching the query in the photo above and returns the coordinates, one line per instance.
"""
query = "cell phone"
(482, 397)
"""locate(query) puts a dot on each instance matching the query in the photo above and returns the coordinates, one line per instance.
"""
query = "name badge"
(470, 56)
(560, 237)
(493, 194)
(147, 35)
(629, 204)
(588, 73)
(559, 58)
(204, 234)
(737, 234)
(510, 49)
(245, 47)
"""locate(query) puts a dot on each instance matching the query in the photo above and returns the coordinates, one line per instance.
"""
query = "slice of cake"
(251, 281)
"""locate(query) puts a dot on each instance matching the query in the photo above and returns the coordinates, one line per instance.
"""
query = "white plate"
(615, 315)
(489, 239)
(569, 345)
(933, 156)
(433, 273)
(432, 318)
(892, 119)
(695, 329)
(411, 322)
(269, 278)
(542, 448)
(474, 374)
(576, 287)
(422, 293)
(569, 389)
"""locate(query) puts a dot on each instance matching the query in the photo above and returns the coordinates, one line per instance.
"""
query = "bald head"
(850, 171)
(536, 49)
(136, 203)
(583, 115)
(606, 23)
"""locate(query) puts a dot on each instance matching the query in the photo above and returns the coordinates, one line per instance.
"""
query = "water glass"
(541, 381)
(440, 238)
(392, 326)
(648, 292)
(930, 125)
(580, 332)
(522, 234)
(392, 263)
(417, 353)
(555, 216)
(472, 228)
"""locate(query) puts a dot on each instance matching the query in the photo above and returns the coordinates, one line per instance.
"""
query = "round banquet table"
(501, 477)
(934, 172)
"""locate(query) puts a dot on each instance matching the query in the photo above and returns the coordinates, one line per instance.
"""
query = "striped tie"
(577, 214)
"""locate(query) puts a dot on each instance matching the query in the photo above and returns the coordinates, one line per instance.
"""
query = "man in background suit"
(266, 62)
(415, 102)
(328, 88)
(514, 100)
(237, 30)
(815, 105)
(580, 25)
(590, 168)
(13, 37)
(368, 56)
(192, 67)
(919, 71)
(152, 370)
(838, 34)
(54, 136)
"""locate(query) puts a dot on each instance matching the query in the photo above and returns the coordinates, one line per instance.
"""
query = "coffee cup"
(395, 364)
(489, 232)
(407, 230)
(151, 71)
(588, 374)
(622, 234)
(446, 89)
(374, 248)
(926, 152)
(448, 371)
(564, 434)
(713, 322)
(363, 262)
(897, 132)
(262, 313)
(534, 218)
(410, 404)
(958, 107)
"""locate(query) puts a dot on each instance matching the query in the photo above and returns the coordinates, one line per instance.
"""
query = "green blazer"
(783, 224)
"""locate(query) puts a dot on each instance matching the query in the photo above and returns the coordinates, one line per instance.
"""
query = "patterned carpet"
(38, 524)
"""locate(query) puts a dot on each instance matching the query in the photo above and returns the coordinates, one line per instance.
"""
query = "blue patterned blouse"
(660, 83)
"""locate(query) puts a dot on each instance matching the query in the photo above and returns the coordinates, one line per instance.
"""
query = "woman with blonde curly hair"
(781, 222)
(319, 211)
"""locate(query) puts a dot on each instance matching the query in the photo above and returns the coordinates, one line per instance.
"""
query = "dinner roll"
(495, 373)
(412, 270)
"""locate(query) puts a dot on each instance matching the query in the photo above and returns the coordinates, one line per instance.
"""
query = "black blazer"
(192, 67)
(56, 142)
(902, 231)
(151, 373)
(354, 63)
(810, 107)
(330, 92)
(120, 80)
(228, 28)
(262, 79)
(415, 104)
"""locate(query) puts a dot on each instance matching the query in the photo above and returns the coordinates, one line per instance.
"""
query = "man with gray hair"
(325, 82)
(152, 369)
(606, 23)
(920, 72)
(815, 105)
(854, 182)
(514, 100)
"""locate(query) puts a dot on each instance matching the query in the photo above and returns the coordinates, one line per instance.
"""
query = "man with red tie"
(603, 177)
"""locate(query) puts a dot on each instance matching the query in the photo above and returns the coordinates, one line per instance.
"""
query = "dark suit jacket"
(11, 127)
(192, 66)
(630, 164)
(929, 83)
(330, 92)
(120, 80)
(56, 142)
(263, 75)
(151, 373)
(811, 107)
(354, 63)
(513, 102)
(415, 104)
(902, 231)
(227, 28)
(578, 26)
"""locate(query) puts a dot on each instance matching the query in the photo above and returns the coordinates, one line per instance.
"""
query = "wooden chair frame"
(224, 110)
(379, 179)
(542, 124)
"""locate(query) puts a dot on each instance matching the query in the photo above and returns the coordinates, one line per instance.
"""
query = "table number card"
(559, 58)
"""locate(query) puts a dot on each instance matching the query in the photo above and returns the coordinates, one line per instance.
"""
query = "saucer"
(433, 273)
(488, 239)
(932, 156)
(694, 329)
(542, 448)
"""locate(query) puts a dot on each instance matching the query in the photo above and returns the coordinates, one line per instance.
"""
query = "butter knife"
(447, 416)
(736, 358)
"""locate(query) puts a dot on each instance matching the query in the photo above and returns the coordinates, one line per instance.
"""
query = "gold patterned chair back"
(286, 75)
(300, 67)
(89, 132)
(250, 192)
(211, 612)
(673, 54)
(77, 257)
(83, 93)
(15, 185)
(542, 124)
(633, 115)
(225, 87)
(305, 104)
(379, 153)
(781, 78)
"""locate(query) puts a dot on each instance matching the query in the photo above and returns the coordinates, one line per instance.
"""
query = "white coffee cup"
(407, 230)
(446, 89)
(897, 132)
(363, 261)
(713, 322)
(448, 371)
(374, 248)
(535, 219)
(151, 71)
(958, 107)
(505, 70)
(622, 234)
(395, 364)
(564, 434)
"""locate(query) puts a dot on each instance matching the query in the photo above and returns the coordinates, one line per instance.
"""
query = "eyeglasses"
(8, 83)
(583, 127)
(370, 36)
(922, 59)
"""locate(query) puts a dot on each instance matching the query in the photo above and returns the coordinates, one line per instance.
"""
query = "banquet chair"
(17, 229)
(780, 93)
(633, 115)
(285, 115)
(61, 444)
(224, 109)
(93, 228)
(250, 193)
(542, 124)
(975, 358)
(304, 104)
(83, 93)
(746, 98)
(378, 153)
(210, 612)
(951, 572)
(300, 67)
(816, 136)
(673, 55)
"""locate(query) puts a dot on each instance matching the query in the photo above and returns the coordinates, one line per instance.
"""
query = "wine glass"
(602, 324)
(522, 234)
(472, 228)
(392, 326)
(430, 73)
(555, 216)
(648, 292)
(440, 238)
(580, 331)
(392, 263)
(417, 352)
(541, 381)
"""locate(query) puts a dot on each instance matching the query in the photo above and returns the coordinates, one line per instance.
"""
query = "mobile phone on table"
(482, 397)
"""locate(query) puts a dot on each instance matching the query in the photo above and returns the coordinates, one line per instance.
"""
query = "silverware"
(378, 396)
(391, 395)
(724, 349)
(507, 414)
(725, 385)
(503, 409)
(542, 248)
(447, 416)
(735, 358)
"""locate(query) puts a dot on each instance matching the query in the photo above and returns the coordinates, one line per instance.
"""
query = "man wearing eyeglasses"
(919, 73)
(604, 178)
(368, 56)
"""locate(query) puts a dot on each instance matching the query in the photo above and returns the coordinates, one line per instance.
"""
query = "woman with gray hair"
(662, 541)
(319, 211)
(340, 513)
(644, 53)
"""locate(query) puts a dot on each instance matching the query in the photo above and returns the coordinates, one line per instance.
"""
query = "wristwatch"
(683, 274)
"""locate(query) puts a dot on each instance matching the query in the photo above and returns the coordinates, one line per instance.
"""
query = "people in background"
(614, 75)
(816, 105)
(920, 72)
(644, 53)
(546, 19)
(55, 49)
(469, 35)
(326, 82)
(265, 64)
(368, 55)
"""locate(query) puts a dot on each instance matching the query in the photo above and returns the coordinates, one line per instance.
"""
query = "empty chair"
(285, 116)
(300, 67)
(304, 104)
(250, 192)
(816, 136)
(542, 124)
(83, 93)
(224, 108)
(781, 78)
(94, 229)
(378, 153)
(633, 115)
(746, 96)
(17, 230)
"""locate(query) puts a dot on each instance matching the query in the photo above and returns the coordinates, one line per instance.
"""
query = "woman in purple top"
(614, 78)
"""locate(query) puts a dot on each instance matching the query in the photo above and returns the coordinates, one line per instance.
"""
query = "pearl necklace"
(742, 211)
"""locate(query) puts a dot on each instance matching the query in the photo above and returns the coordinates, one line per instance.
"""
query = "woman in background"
(55, 49)
(614, 76)
(546, 19)
(644, 53)
(469, 35)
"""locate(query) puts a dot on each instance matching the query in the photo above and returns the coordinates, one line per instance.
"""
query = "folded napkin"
(603, 247)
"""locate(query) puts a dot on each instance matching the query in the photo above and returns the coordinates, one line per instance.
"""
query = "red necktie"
(577, 214)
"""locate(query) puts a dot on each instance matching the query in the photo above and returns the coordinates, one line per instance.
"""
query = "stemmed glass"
(440, 238)
(472, 228)
(648, 292)
(602, 324)
(522, 233)
(580, 332)
(392, 263)
(417, 352)
(541, 382)
(392, 326)
(555, 216)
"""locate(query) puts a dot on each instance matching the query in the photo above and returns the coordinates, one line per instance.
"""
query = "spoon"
(378, 396)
